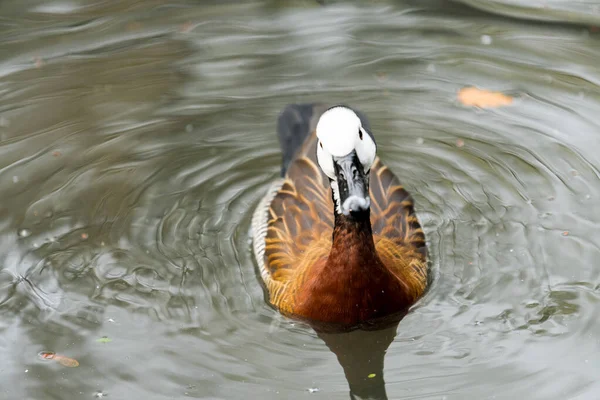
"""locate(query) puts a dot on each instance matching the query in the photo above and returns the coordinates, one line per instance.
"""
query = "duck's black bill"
(352, 183)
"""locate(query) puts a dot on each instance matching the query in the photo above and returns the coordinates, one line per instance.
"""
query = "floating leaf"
(47, 355)
(472, 96)
(62, 360)
(67, 361)
(104, 339)
(371, 376)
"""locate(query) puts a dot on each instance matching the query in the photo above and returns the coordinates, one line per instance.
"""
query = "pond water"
(136, 138)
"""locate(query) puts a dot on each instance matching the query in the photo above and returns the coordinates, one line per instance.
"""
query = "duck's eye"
(360, 133)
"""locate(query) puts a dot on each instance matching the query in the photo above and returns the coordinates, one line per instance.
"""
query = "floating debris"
(472, 96)
(565, 233)
(104, 339)
(371, 376)
(486, 40)
(15, 179)
(24, 233)
(84, 236)
(186, 27)
(313, 390)
(460, 143)
(62, 360)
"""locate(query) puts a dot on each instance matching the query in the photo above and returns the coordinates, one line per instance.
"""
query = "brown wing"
(399, 239)
(299, 231)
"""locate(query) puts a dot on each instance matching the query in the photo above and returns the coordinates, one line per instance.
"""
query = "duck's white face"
(346, 153)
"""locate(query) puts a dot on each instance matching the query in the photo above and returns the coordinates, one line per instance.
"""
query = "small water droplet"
(24, 233)
(511, 250)
(587, 196)
(486, 39)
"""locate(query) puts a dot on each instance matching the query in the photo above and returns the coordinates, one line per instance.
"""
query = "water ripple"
(132, 159)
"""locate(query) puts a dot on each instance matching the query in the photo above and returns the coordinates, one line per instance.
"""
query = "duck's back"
(294, 222)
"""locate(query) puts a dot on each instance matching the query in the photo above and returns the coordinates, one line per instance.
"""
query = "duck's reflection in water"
(361, 353)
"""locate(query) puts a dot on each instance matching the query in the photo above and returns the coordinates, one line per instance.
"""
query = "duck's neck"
(352, 240)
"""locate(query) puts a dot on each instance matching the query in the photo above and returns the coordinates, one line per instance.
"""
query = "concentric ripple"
(136, 140)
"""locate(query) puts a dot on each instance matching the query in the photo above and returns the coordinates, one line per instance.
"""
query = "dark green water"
(137, 137)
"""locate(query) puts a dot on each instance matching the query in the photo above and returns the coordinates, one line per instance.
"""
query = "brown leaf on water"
(47, 355)
(67, 361)
(62, 360)
(39, 63)
(472, 96)
(186, 27)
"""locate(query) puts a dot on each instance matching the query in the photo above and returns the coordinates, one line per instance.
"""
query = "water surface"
(136, 138)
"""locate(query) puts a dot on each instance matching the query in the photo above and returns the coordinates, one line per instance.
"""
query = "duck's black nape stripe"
(293, 127)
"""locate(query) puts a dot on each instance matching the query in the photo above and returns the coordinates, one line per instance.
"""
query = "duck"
(336, 237)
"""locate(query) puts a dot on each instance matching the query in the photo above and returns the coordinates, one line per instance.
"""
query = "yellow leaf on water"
(372, 376)
(472, 96)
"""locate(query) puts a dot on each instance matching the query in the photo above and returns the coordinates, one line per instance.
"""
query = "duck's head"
(346, 151)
